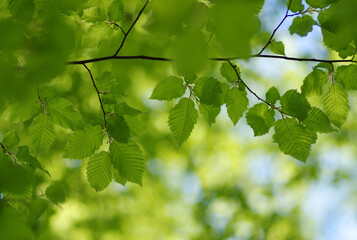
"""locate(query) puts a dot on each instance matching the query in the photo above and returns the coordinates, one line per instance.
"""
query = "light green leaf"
(57, 192)
(99, 172)
(324, 65)
(24, 112)
(272, 95)
(63, 113)
(119, 178)
(314, 83)
(94, 14)
(302, 25)
(347, 76)
(118, 128)
(228, 72)
(209, 113)
(208, 90)
(293, 138)
(83, 143)
(182, 120)
(116, 11)
(168, 89)
(24, 155)
(277, 47)
(124, 109)
(295, 5)
(320, 3)
(128, 160)
(42, 133)
(105, 81)
(10, 139)
(260, 119)
(317, 121)
(237, 104)
(336, 105)
(295, 104)
(97, 33)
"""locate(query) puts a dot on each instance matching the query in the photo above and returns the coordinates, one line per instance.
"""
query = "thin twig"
(114, 23)
(98, 93)
(131, 27)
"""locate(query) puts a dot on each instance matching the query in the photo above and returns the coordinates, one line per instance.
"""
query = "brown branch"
(98, 93)
(130, 28)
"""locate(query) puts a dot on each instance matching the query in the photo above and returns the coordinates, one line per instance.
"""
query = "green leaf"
(10, 139)
(324, 65)
(190, 77)
(63, 113)
(314, 83)
(320, 3)
(105, 81)
(128, 160)
(97, 33)
(228, 72)
(317, 121)
(24, 155)
(116, 11)
(42, 133)
(209, 113)
(94, 14)
(119, 178)
(124, 109)
(24, 112)
(302, 25)
(118, 128)
(260, 119)
(237, 104)
(83, 143)
(21, 9)
(295, 5)
(277, 47)
(336, 105)
(99, 172)
(168, 89)
(293, 138)
(208, 90)
(272, 95)
(347, 76)
(57, 192)
(182, 120)
(295, 104)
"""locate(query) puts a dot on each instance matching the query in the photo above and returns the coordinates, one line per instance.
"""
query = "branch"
(99, 97)
(131, 27)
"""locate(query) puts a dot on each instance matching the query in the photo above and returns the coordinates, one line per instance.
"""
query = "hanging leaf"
(83, 143)
(168, 89)
(42, 133)
(99, 172)
(10, 139)
(317, 121)
(182, 120)
(94, 14)
(118, 128)
(260, 119)
(314, 83)
(336, 105)
(209, 113)
(295, 104)
(277, 47)
(57, 192)
(295, 5)
(228, 72)
(237, 104)
(293, 138)
(116, 11)
(124, 109)
(272, 95)
(24, 155)
(208, 90)
(302, 25)
(63, 113)
(128, 160)
(347, 76)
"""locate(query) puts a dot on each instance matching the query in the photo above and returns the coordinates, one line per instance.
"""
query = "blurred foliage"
(57, 151)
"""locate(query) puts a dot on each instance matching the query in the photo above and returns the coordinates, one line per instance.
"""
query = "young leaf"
(277, 47)
(319, 3)
(237, 104)
(24, 155)
(228, 72)
(208, 90)
(324, 65)
(94, 14)
(293, 138)
(302, 25)
(124, 109)
(24, 112)
(10, 139)
(209, 113)
(295, 104)
(63, 113)
(336, 105)
(295, 5)
(99, 172)
(119, 178)
(314, 83)
(317, 121)
(42, 133)
(260, 119)
(128, 160)
(182, 120)
(118, 128)
(116, 11)
(347, 76)
(83, 143)
(168, 89)
(272, 95)
(57, 192)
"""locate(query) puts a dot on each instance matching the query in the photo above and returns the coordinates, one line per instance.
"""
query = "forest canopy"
(105, 96)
